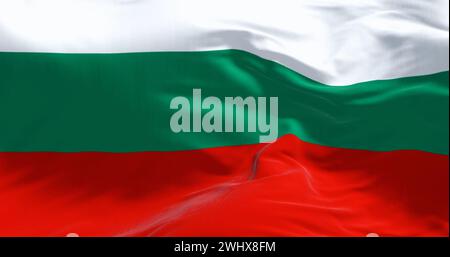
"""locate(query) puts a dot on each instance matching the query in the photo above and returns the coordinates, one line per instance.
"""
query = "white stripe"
(334, 42)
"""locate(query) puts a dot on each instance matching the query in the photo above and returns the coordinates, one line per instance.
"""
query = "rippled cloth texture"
(287, 188)
(333, 42)
(120, 103)
(86, 146)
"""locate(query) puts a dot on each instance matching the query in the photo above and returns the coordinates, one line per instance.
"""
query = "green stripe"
(120, 103)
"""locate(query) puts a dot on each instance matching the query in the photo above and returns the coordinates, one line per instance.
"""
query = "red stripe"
(288, 188)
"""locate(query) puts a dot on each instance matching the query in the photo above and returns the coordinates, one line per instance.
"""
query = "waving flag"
(361, 139)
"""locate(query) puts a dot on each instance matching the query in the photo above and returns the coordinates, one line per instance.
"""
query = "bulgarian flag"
(361, 128)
